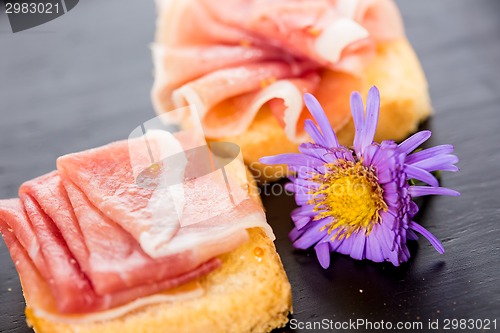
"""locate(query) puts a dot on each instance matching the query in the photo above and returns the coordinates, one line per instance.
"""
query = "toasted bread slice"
(405, 103)
(249, 293)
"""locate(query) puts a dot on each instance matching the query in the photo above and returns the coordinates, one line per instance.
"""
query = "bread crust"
(250, 293)
(405, 103)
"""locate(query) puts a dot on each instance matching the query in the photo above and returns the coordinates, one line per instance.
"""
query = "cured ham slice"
(68, 283)
(37, 291)
(112, 265)
(72, 291)
(49, 193)
(334, 36)
(99, 235)
(184, 23)
(118, 263)
(15, 223)
(177, 66)
(234, 115)
(211, 89)
(64, 278)
(200, 60)
(38, 294)
(110, 186)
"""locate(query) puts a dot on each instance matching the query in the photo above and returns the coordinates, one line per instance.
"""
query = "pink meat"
(70, 288)
(68, 283)
(115, 264)
(187, 63)
(51, 196)
(119, 263)
(83, 227)
(199, 60)
(324, 36)
(211, 89)
(36, 290)
(106, 176)
(15, 223)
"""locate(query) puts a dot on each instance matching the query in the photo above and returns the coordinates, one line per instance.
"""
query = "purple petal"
(294, 234)
(413, 209)
(301, 198)
(343, 153)
(384, 158)
(335, 243)
(346, 246)
(393, 210)
(318, 152)
(388, 144)
(452, 168)
(414, 141)
(308, 239)
(373, 250)
(418, 191)
(369, 153)
(389, 162)
(306, 210)
(302, 171)
(384, 243)
(391, 199)
(314, 133)
(411, 235)
(306, 183)
(301, 222)
(394, 258)
(389, 220)
(404, 253)
(371, 120)
(388, 253)
(385, 176)
(429, 153)
(358, 246)
(323, 254)
(290, 187)
(439, 162)
(421, 174)
(430, 237)
(388, 235)
(311, 235)
(358, 116)
(391, 188)
(322, 120)
(292, 159)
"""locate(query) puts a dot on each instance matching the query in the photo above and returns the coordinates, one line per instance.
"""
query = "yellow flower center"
(349, 193)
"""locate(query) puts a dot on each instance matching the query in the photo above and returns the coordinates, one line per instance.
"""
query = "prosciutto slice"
(113, 265)
(102, 238)
(240, 55)
(49, 194)
(15, 223)
(150, 215)
(71, 290)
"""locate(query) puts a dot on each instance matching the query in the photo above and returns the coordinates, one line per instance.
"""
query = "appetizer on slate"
(100, 249)
(245, 65)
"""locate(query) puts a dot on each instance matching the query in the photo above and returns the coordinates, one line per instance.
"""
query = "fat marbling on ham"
(231, 58)
(83, 233)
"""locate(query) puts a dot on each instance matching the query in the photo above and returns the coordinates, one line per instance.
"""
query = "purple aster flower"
(358, 201)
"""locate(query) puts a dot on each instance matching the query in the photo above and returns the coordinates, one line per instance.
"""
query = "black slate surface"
(83, 80)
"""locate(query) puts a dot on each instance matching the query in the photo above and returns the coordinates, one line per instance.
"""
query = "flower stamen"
(349, 193)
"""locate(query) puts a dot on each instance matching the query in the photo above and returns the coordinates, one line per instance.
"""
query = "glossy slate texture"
(84, 79)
